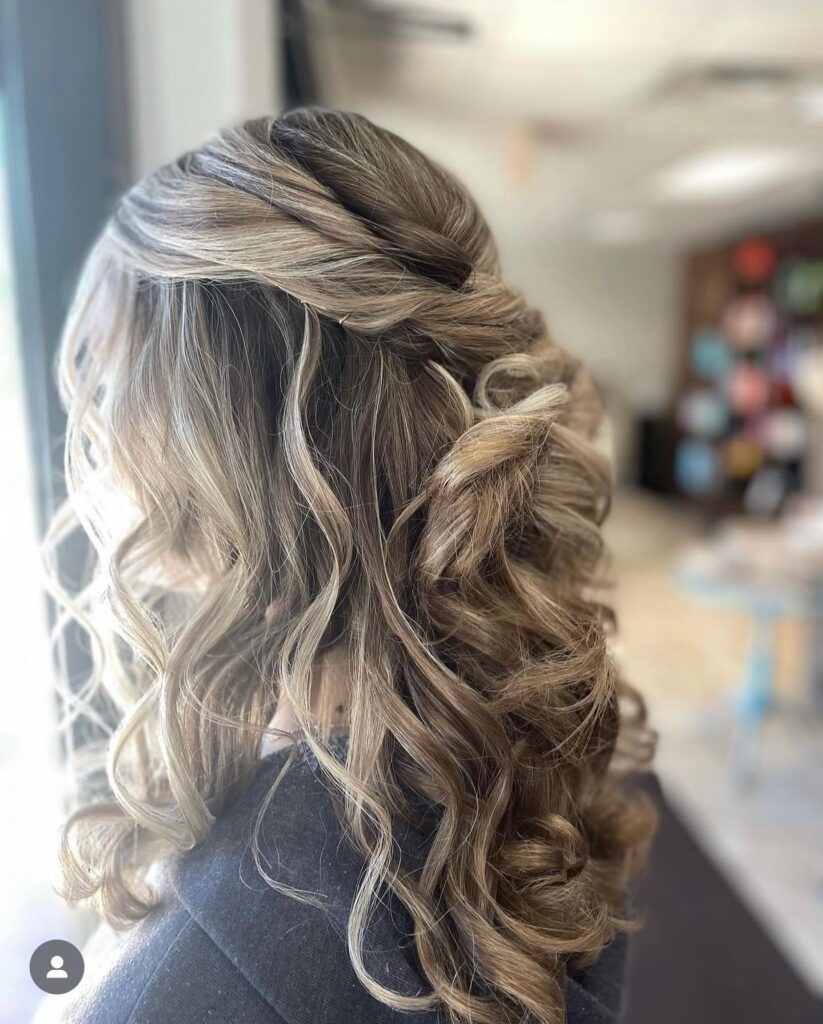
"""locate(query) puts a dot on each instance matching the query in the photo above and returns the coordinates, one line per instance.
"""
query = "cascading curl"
(415, 489)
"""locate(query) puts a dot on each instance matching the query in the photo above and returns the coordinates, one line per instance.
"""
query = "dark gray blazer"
(223, 947)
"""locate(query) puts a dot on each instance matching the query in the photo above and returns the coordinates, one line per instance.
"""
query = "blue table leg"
(755, 696)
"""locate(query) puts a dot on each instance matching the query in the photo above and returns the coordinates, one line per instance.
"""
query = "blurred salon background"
(653, 172)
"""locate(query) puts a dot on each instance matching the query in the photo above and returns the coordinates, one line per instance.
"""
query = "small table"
(756, 570)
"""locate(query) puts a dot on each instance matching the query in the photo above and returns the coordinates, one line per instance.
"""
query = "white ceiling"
(556, 112)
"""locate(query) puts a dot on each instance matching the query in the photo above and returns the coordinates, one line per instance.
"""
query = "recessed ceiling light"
(617, 227)
(728, 172)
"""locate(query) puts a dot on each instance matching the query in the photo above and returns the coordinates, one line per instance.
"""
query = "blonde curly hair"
(306, 415)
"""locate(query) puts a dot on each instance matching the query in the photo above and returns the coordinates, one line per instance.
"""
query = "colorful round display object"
(782, 392)
(785, 434)
(787, 360)
(799, 286)
(783, 358)
(696, 468)
(703, 414)
(754, 260)
(742, 457)
(748, 388)
(710, 357)
(750, 322)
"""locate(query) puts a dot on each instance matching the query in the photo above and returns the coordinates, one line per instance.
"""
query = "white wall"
(619, 310)
(196, 66)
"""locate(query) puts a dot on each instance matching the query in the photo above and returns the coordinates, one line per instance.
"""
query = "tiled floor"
(678, 650)
(767, 839)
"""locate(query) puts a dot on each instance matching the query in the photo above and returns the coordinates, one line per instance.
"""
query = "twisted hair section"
(415, 489)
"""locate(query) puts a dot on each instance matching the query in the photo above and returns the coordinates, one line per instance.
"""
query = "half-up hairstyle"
(306, 415)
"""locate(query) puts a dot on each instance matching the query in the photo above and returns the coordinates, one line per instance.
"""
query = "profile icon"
(56, 966)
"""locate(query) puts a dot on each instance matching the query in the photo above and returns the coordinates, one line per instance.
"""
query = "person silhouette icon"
(57, 968)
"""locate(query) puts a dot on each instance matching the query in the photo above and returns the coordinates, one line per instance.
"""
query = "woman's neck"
(329, 697)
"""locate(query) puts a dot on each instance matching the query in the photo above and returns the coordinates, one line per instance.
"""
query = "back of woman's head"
(306, 416)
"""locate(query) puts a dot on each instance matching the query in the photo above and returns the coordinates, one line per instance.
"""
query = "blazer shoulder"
(163, 970)
(278, 905)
